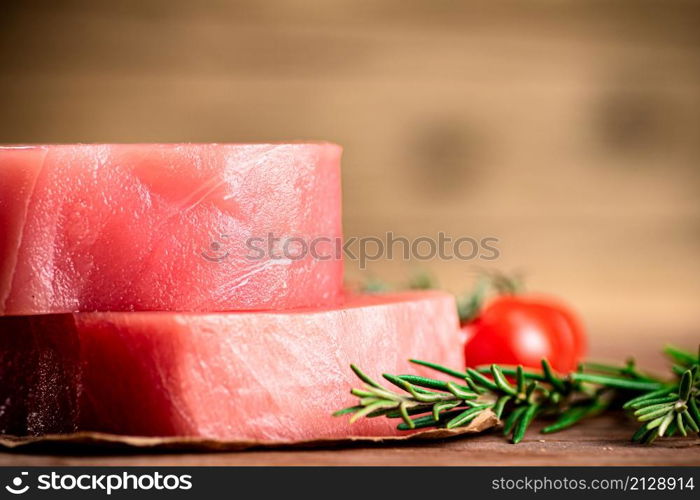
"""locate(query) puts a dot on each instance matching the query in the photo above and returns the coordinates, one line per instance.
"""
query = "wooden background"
(568, 130)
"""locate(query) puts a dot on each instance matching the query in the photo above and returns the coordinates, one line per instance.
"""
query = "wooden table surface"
(601, 441)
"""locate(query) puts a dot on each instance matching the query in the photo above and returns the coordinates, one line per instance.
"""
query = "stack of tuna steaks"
(144, 290)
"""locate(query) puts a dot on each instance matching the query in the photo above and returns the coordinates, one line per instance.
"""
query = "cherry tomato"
(523, 329)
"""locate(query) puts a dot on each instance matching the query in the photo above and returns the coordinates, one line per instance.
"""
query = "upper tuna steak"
(168, 227)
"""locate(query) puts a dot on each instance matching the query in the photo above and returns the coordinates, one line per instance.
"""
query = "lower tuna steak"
(168, 227)
(239, 376)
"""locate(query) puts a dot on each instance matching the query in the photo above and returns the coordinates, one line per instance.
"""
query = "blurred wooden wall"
(569, 130)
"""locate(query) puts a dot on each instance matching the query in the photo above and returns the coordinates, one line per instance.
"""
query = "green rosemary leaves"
(518, 397)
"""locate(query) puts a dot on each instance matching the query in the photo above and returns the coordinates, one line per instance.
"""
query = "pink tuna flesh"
(271, 376)
(167, 227)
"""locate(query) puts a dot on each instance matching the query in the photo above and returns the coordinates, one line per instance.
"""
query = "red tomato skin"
(521, 330)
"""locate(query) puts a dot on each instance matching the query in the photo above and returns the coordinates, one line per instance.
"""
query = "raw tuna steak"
(235, 376)
(167, 227)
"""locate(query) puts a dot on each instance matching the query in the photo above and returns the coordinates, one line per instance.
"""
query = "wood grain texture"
(568, 130)
(601, 441)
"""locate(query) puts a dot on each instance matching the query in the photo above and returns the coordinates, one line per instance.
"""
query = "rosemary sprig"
(517, 397)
